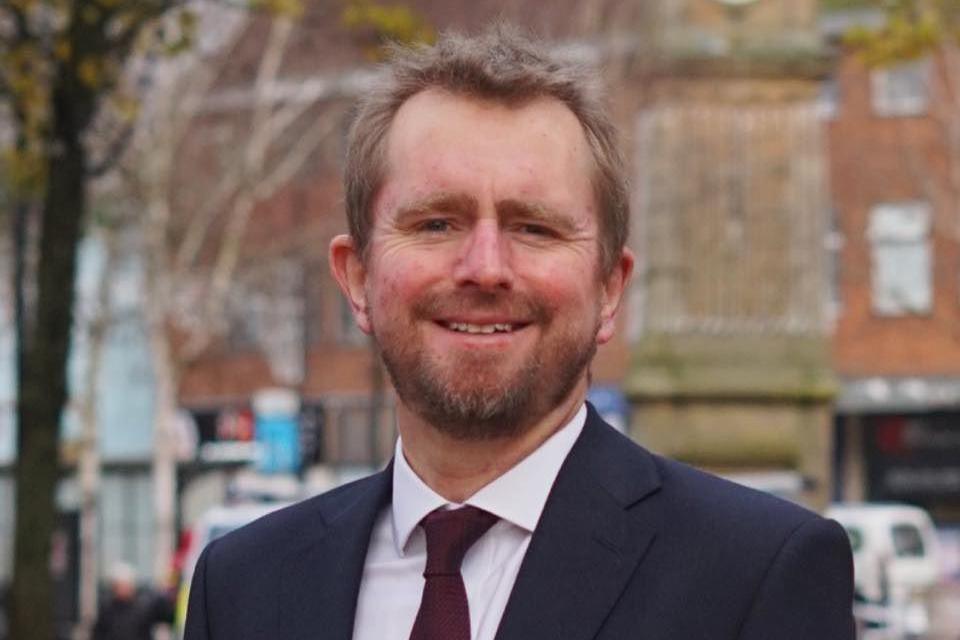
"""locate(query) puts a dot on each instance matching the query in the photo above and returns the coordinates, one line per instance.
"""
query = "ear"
(348, 269)
(614, 285)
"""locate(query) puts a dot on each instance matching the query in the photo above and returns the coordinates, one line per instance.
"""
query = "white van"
(896, 562)
(894, 548)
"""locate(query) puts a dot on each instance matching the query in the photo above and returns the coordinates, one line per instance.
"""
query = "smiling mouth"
(481, 329)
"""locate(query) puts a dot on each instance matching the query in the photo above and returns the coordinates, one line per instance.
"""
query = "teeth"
(480, 328)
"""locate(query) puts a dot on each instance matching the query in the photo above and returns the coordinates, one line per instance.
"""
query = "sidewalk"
(945, 612)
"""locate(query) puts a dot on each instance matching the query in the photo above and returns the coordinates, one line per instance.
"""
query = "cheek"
(397, 287)
(563, 287)
(565, 304)
(385, 295)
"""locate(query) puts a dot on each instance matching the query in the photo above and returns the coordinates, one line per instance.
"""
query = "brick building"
(896, 347)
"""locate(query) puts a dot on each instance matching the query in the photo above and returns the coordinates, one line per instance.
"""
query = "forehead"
(444, 141)
(434, 112)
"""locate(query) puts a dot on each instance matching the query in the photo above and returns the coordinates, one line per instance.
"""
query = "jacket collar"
(321, 580)
(592, 536)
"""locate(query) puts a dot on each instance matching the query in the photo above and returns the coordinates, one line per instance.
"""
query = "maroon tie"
(443, 613)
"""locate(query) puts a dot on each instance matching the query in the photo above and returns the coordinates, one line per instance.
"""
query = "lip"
(486, 338)
(482, 320)
(499, 324)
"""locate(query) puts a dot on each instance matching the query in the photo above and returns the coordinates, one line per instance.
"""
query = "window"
(833, 243)
(907, 541)
(357, 442)
(355, 436)
(244, 315)
(901, 90)
(126, 521)
(828, 100)
(317, 284)
(856, 538)
(900, 251)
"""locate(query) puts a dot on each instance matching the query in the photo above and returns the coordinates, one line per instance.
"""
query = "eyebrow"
(438, 202)
(510, 209)
(537, 212)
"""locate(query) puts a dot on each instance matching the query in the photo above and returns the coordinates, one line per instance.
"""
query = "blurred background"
(179, 360)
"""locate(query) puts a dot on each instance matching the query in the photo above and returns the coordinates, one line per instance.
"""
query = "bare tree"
(192, 250)
(100, 317)
(58, 66)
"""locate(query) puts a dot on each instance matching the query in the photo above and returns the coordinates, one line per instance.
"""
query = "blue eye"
(536, 230)
(435, 225)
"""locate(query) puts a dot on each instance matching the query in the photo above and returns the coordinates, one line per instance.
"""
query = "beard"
(472, 397)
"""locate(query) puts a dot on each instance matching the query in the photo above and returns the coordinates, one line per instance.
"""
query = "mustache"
(516, 306)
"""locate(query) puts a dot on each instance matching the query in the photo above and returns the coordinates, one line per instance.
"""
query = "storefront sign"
(914, 458)
(277, 429)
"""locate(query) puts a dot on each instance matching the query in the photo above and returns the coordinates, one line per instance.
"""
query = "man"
(486, 255)
(127, 614)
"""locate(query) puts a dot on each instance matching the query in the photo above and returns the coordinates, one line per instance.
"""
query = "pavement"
(945, 612)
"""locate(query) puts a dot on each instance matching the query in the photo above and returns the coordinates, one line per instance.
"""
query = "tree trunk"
(42, 384)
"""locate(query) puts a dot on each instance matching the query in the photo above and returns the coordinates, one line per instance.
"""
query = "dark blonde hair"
(501, 65)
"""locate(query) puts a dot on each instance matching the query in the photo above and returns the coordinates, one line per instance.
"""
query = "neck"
(456, 469)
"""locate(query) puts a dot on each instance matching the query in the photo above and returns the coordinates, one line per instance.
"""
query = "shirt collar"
(517, 496)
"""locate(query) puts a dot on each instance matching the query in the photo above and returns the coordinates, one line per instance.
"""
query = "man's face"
(481, 284)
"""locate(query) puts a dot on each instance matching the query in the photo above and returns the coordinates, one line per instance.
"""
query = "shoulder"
(709, 500)
(729, 553)
(730, 525)
(785, 570)
(691, 505)
(294, 525)
(683, 494)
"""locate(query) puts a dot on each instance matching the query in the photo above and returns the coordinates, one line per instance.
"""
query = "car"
(896, 563)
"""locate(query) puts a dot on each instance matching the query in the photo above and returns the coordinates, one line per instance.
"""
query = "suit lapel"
(587, 543)
(321, 580)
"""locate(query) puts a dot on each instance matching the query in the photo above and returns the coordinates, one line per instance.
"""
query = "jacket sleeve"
(196, 626)
(807, 592)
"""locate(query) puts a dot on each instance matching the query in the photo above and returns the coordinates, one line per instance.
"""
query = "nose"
(485, 258)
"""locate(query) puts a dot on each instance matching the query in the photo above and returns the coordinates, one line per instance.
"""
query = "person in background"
(128, 613)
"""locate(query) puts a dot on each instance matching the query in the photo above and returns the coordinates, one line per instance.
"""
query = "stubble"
(471, 397)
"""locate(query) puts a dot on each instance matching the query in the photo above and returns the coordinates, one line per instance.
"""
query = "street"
(945, 612)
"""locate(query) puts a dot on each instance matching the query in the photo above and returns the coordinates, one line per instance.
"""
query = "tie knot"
(450, 533)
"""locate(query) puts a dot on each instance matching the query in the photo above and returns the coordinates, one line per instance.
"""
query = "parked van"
(896, 562)
(894, 548)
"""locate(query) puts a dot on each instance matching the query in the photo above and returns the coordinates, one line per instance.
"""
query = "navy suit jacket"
(630, 545)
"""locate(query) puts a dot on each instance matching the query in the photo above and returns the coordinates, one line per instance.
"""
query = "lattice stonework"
(730, 218)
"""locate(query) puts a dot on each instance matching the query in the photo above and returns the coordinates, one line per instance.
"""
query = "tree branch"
(113, 153)
(22, 23)
(306, 144)
(253, 158)
(124, 39)
(261, 128)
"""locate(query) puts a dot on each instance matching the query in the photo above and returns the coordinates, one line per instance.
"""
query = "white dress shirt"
(393, 573)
